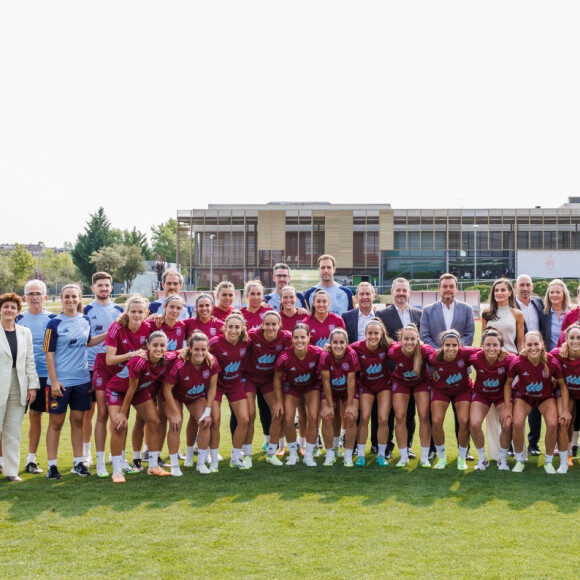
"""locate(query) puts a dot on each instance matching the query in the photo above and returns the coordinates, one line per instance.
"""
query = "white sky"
(149, 107)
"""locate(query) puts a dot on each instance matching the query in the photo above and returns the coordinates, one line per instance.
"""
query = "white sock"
(247, 449)
(462, 451)
(201, 456)
(382, 450)
(563, 458)
(361, 449)
(336, 442)
(503, 453)
(550, 457)
(214, 453)
(293, 448)
(174, 459)
(136, 454)
(77, 460)
(481, 456)
(266, 439)
(348, 454)
(520, 457)
(86, 449)
(330, 455)
(123, 456)
(271, 449)
(153, 459)
(404, 454)
(441, 451)
(50, 462)
(302, 441)
(117, 461)
(342, 432)
(2, 460)
(424, 453)
(310, 449)
(145, 448)
(236, 454)
(575, 438)
(31, 458)
(101, 459)
(189, 453)
(281, 442)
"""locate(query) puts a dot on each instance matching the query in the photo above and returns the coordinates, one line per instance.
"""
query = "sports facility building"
(377, 243)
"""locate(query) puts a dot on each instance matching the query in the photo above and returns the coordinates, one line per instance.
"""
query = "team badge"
(213, 331)
(242, 351)
(178, 332)
(114, 398)
(331, 327)
(312, 364)
(460, 364)
(381, 355)
(345, 366)
(99, 381)
(278, 348)
(206, 374)
(142, 339)
(54, 404)
(500, 371)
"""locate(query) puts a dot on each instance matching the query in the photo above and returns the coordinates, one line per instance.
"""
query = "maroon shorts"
(460, 397)
(233, 393)
(487, 399)
(100, 379)
(534, 401)
(376, 388)
(299, 392)
(339, 396)
(187, 399)
(115, 399)
(574, 393)
(253, 387)
(400, 387)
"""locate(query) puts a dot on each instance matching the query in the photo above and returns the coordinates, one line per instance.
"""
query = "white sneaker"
(180, 455)
(481, 465)
(502, 465)
(214, 468)
(102, 472)
(562, 469)
(247, 461)
(126, 468)
(88, 460)
(309, 461)
(176, 471)
(110, 459)
(188, 463)
(203, 468)
(292, 460)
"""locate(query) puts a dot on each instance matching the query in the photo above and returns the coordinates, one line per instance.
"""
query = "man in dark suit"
(394, 317)
(534, 319)
(356, 319)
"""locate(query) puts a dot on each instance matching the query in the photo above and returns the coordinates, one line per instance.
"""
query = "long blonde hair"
(543, 355)
(417, 356)
(123, 319)
(565, 300)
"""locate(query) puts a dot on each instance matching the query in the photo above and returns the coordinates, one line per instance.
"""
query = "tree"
(108, 259)
(5, 274)
(133, 238)
(97, 235)
(132, 266)
(57, 268)
(164, 240)
(21, 264)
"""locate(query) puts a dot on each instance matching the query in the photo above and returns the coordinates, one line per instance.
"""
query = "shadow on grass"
(370, 486)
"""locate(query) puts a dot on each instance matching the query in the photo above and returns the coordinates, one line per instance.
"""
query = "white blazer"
(25, 367)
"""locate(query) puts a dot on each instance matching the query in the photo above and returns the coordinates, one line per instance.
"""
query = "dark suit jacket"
(392, 320)
(351, 322)
(543, 320)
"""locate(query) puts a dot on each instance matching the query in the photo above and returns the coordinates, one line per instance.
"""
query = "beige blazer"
(25, 367)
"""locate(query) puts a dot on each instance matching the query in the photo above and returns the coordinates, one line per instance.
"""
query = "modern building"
(376, 242)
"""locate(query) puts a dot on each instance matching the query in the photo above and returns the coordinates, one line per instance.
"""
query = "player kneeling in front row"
(191, 382)
(138, 389)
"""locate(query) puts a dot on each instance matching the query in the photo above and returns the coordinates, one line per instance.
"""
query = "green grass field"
(293, 522)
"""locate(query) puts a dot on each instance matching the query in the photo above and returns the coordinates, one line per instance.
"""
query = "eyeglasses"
(35, 294)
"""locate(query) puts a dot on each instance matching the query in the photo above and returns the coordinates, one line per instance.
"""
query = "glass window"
(400, 241)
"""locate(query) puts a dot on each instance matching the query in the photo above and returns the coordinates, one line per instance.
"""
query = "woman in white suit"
(18, 380)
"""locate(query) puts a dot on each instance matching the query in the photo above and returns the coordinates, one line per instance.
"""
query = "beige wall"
(338, 237)
(386, 230)
(272, 230)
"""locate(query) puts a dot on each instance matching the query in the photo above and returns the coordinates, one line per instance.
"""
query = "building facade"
(374, 242)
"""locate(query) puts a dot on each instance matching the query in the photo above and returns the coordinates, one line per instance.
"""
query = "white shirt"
(363, 321)
(530, 315)
(448, 315)
(404, 315)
